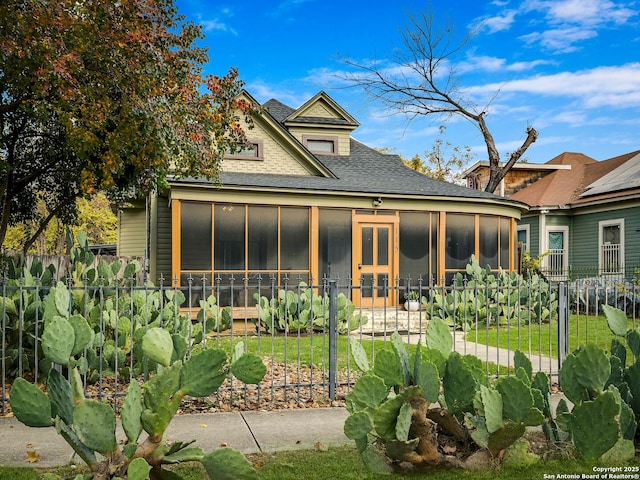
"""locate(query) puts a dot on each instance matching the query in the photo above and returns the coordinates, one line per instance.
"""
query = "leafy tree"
(423, 82)
(443, 162)
(94, 217)
(105, 96)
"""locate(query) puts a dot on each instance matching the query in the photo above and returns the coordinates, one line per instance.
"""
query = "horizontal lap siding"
(132, 236)
(586, 234)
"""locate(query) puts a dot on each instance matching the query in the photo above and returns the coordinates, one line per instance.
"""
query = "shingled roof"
(365, 171)
(588, 179)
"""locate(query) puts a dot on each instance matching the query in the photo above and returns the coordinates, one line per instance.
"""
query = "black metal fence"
(301, 331)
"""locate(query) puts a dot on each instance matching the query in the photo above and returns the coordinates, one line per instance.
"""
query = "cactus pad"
(386, 416)
(358, 425)
(248, 368)
(58, 340)
(61, 396)
(359, 355)
(30, 405)
(95, 424)
(228, 464)
(131, 410)
(388, 367)
(369, 391)
(439, 336)
(594, 427)
(157, 345)
(203, 373)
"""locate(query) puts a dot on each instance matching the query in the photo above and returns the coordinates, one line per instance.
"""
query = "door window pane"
(263, 238)
(366, 282)
(611, 234)
(294, 239)
(460, 234)
(229, 237)
(195, 236)
(556, 240)
(367, 245)
(383, 246)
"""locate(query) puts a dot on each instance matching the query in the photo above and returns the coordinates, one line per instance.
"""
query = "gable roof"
(321, 110)
(277, 109)
(588, 179)
(273, 124)
(623, 174)
(560, 187)
(365, 171)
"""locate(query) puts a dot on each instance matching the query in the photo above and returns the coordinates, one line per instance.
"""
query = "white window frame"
(527, 229)
(565, 254)
(601, 243)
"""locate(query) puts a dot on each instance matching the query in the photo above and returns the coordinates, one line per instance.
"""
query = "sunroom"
(308, 203)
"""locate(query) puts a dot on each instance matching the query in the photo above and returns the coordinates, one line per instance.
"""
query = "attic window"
(321, 145)
(254, 151)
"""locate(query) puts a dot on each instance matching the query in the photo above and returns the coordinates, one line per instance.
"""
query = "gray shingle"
(278, 110)
(365, 171)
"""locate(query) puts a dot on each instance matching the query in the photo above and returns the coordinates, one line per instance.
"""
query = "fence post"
(563, 322)
(333, 338)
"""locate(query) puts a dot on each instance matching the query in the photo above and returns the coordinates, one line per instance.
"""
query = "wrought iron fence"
(302, 331)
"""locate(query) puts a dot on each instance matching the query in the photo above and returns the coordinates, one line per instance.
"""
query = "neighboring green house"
(584, 215)
(306, 202)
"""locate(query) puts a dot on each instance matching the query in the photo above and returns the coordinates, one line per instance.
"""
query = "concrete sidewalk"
(249, 432)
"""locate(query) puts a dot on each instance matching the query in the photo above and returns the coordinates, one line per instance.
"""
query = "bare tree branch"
(422, 80)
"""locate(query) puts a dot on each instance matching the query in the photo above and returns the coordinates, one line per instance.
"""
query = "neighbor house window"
(523, 237)
(557, 258)
(321, 145)
(252, 151)
(611, 246)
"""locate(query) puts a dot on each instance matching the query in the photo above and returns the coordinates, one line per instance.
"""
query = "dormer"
(322, 126)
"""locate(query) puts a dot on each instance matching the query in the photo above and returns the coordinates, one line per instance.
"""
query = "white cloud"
(522, 66)
(488, 63)
(216, 25)
(616, 86)
(292, 97)
(585, 12)
(566, 23)
(499, 23)
(560, 39)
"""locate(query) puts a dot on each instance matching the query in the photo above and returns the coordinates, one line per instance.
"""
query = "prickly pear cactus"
(392, 419)
(601, 422)
(89, 426)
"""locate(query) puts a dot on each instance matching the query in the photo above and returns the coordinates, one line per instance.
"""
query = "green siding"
(585, 236)
(162, 241)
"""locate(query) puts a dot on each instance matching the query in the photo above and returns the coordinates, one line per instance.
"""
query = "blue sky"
(569, 68)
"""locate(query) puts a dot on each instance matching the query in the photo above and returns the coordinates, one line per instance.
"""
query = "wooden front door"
(374, 260)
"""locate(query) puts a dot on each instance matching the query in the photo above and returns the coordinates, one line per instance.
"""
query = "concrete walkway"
(249, 432)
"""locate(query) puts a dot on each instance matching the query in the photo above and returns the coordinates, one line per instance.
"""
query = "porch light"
(377, 202)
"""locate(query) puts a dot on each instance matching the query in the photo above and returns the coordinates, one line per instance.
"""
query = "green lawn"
(313, 349)
(304, 349)
(344, 463)
(543, 338)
